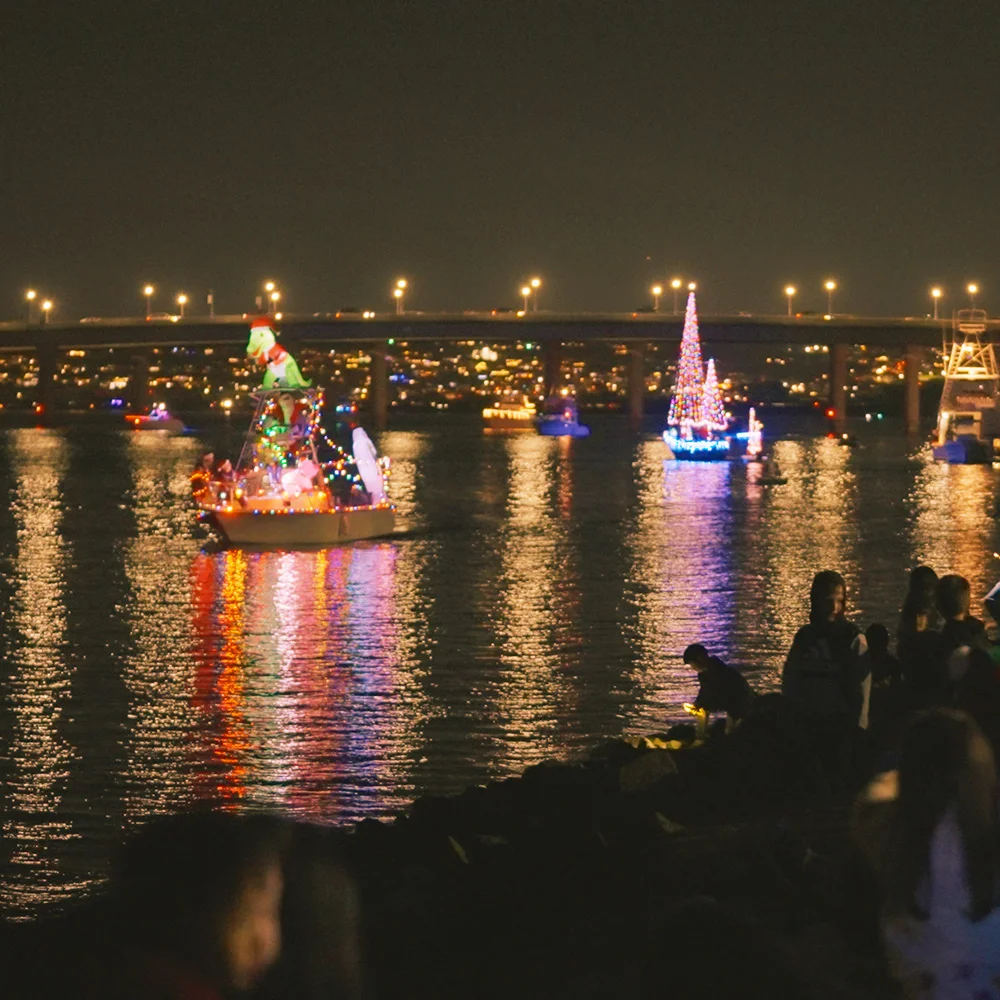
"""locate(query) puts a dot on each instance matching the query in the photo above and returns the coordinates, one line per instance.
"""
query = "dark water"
(537, 601)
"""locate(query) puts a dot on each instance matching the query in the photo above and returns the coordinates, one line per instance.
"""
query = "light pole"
(269, 287)
(831, 286)
(398, 293)
(657, 291)
(30, 295)
(972, 288)
(148, 292)
(675, 284)
(275, 298)
(526, 294)
(936, 296)
(46, 309)
(535, 283)
(182, 302)
(790, 291)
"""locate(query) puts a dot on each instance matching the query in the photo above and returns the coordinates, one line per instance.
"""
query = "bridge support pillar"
(636, 384)
(378, 385)
(48, 372)
(138, 383)
(552, 365)
(914, 355)
(838, 386)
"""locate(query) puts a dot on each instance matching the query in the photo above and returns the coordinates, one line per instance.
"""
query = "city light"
(657, 291)
(182, 302)
(148, 292)
(936, 296)
(831, 286)
(973, 289)
(790, 291)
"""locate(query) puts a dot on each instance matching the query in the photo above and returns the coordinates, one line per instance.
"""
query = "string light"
(686, 402)
(713, 413)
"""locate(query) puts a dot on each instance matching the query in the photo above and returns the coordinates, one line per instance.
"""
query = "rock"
(647, 771)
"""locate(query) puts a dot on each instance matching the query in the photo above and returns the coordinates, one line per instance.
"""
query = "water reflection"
(952, 523)
(536, 620)
(36, 690)
(680, 587)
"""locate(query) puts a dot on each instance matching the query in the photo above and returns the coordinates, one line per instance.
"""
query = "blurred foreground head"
(202, 893)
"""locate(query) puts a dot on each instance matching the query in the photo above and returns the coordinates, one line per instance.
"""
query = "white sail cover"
(366, 459)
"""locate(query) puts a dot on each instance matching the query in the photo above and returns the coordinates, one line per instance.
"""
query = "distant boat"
(157, 419)
(510, 413)
(559, 419)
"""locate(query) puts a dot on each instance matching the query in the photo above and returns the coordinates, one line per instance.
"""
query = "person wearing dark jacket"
(721, 688)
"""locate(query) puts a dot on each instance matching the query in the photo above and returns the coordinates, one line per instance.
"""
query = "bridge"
(910, 335)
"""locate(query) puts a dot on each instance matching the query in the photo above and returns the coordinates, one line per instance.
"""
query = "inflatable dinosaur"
(282, 371)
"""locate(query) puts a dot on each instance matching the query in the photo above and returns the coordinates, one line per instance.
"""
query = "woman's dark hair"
(179, 877)
(923, 580)
(946, 763)
(821, 595)
(952, 595)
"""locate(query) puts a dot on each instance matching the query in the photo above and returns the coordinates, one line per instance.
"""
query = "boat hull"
(964, 451)
(509, 423)
(169, 426)
(563, 428)
(303, 528)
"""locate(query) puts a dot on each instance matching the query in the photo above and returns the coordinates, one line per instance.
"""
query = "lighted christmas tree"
(689, 387)
(713, 414)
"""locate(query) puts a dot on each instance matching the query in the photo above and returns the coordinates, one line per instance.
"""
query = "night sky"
(466, 145)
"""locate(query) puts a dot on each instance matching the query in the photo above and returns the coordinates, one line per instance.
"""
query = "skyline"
(472, 145)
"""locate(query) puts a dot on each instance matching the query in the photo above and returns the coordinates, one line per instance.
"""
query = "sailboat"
(697, 423)
(968, 418)
(294, 484)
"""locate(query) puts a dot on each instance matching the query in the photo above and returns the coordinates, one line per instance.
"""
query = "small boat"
(510, 413)
(157, 419)
(771, 475)
(964, 449)
(559, 419)
(295, 484)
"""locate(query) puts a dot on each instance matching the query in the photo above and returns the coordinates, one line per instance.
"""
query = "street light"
(275, 295)
(182, 302)
(398, 292)
(692, 285)
(657, 291)
(790, 290)
(936, 296)
(831, 286)
(148, 292)
(46, 309)
(526, 294)
(675, 284)
(30, 295)
(972, 288)
(536, 283)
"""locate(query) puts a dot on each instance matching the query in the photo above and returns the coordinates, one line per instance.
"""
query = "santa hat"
(262, 323)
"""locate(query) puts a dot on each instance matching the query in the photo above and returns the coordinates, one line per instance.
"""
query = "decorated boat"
(295, 482)
(697, 423)
(559, 419)
(511, 412)
(158, 418)
(968, 423)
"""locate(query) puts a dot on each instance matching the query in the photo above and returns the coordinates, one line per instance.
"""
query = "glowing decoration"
(686, 402)
(713, 413)
(755, 435)
(282, 370)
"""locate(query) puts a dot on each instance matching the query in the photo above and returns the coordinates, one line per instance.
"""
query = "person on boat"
(201, 478)
(826, 678)
(930, 834)
(721, 688)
